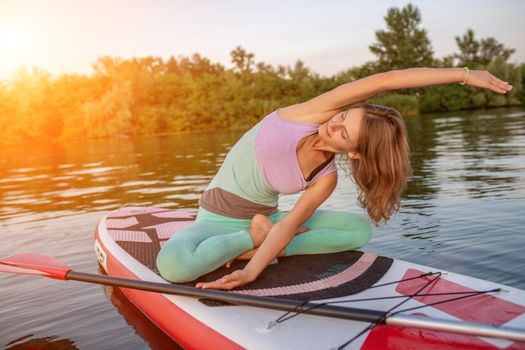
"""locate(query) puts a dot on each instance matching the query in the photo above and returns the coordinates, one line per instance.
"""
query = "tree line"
(151, 95)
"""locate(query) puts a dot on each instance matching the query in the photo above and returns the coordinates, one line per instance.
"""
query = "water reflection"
(102, 175)
(492, 163)
(477, 154)
(47, 343)
(148, 331)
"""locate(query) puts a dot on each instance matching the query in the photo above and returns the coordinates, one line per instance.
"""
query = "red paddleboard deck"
(127, 242)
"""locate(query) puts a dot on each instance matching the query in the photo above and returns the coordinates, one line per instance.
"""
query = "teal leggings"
(214, 240)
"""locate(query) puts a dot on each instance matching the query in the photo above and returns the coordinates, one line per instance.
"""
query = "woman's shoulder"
(302, 113)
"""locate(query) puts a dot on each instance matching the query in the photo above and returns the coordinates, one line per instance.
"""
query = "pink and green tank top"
(262, 164)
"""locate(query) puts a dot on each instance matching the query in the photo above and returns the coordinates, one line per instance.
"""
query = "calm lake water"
(464, 211)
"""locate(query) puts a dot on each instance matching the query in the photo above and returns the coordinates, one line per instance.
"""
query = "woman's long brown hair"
(383, 166)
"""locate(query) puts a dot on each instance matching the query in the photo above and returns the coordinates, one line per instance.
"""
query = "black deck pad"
(142, 231)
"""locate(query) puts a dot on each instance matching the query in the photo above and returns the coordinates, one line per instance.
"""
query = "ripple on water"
(98, 170)
(82, 192)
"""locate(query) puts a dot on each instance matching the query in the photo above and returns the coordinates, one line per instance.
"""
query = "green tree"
(507, 72)
(468, 50)
(32, 106)
(146, 95)
(478, 54)
(521, 94)
(109, 115)
(403, 45)
(242, 60)
(491, 50)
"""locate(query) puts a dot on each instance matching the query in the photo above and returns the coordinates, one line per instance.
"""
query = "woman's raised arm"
(325, 105)
(421, 77)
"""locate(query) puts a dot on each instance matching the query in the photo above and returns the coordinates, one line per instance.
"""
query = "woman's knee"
(363, 232)
(174, 265)
(358, 232)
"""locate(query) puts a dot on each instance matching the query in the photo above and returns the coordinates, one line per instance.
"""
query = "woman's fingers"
(501, 88)
(506, 86)
(214, 285)
(224, 286)
(227, 282)
(494, 87)
(500, 85)
(484, 79)
(218, 285)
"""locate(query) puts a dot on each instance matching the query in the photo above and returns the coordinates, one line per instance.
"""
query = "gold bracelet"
(466, 77)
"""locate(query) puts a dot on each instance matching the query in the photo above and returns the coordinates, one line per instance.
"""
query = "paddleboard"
(128, 240)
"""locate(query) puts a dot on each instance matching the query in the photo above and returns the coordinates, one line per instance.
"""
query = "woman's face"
(342, 131)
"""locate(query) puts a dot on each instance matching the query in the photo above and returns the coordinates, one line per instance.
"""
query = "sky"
(67, 36)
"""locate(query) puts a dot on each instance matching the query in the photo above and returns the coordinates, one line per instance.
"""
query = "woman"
(293, 149)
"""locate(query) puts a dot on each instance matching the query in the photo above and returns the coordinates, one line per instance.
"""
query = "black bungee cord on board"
(299, 309)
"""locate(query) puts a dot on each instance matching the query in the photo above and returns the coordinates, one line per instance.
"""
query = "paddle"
(42, 265)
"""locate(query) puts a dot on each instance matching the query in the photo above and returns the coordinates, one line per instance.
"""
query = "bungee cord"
(386, 314)
(446, 301)
(300, 309)
(419, 295)
(423, 275)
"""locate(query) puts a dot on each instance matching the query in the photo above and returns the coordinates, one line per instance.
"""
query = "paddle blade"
(34, 264)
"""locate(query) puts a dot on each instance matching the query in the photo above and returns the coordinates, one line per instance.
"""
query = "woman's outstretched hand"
(228, 282)
(484, 79)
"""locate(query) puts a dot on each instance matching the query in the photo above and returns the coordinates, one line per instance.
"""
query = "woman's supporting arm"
(282, 232)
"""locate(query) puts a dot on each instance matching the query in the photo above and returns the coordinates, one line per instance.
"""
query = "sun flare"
(15, 44)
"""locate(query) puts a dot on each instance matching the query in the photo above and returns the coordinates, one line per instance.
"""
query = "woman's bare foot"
(259, 229)
(302, 229)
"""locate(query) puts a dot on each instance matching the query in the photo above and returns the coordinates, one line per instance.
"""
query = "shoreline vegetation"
(152, 96)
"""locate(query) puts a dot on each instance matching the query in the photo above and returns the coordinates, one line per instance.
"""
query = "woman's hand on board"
(228, 282)
(486, 80)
